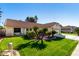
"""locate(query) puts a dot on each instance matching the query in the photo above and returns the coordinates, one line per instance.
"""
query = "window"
(27, 29)
(30, 29)
(17, 29)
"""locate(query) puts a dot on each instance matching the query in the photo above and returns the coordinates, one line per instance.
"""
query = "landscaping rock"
(10, 53)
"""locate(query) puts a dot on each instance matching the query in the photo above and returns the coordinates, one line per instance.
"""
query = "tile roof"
(23, 24)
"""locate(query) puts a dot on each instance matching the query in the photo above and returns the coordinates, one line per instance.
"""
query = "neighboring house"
(17, 27)
(68, 29)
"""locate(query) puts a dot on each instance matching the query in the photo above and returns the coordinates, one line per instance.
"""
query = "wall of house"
(23, 31)
(9, 31)
(57, 28)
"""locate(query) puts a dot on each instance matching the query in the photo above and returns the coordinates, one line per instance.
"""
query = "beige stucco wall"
(23, 31)
(57, 28)
(9, 31)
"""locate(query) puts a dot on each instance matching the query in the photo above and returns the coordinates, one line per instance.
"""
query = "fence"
(2, 32)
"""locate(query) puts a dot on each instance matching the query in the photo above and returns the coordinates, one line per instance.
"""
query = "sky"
(63, 13)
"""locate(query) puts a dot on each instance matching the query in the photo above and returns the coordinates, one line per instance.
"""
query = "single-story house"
(18, 27)
(68, 29)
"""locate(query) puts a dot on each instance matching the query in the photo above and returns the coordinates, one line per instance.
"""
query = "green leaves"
(77, 31)
(32, 19)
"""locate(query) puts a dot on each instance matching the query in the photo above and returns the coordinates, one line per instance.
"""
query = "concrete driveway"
(71, 37)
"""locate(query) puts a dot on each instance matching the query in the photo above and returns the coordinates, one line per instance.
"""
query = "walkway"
(76, 51)
(1, 40)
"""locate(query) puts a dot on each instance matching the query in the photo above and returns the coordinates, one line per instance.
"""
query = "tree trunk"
(41, 41)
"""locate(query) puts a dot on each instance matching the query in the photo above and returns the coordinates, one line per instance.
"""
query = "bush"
(35, 29)
(1, 27)
(26, 37)
(77, 31)
(30, 35)
(48, 34)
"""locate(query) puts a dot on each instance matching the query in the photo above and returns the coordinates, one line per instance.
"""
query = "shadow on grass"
(57, 39)
(23, 45)
(31, 44)
(38, 45)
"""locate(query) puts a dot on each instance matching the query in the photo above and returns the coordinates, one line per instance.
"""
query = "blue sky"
(65, 14)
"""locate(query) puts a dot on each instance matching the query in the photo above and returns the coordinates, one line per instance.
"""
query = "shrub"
(26, 37)
(44, 30)
(35, 29)
(31, 35)
(48, 34)
(77, 31)
(1, 27)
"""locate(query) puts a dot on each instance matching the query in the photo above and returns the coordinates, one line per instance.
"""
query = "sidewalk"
(76, 51)
(1, 39)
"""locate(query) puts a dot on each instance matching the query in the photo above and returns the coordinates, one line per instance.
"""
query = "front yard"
(58, 47)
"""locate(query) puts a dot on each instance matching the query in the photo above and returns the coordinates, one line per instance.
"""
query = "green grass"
(63, 47)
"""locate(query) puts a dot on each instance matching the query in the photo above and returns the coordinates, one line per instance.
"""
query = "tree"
(45, 30)
(36, 31)
(31, 35)
(27, 18)
(36, 18)
(77, 31)
(53, 32)
(1, 27)
(32, 19)
(0, 14)
(48, 34)
(42, 33)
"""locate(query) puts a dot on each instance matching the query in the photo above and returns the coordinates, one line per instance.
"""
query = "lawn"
(61, 47)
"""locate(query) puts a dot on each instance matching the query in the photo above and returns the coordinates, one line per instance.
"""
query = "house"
(53, 25)
(17, 27)
(68, 29)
